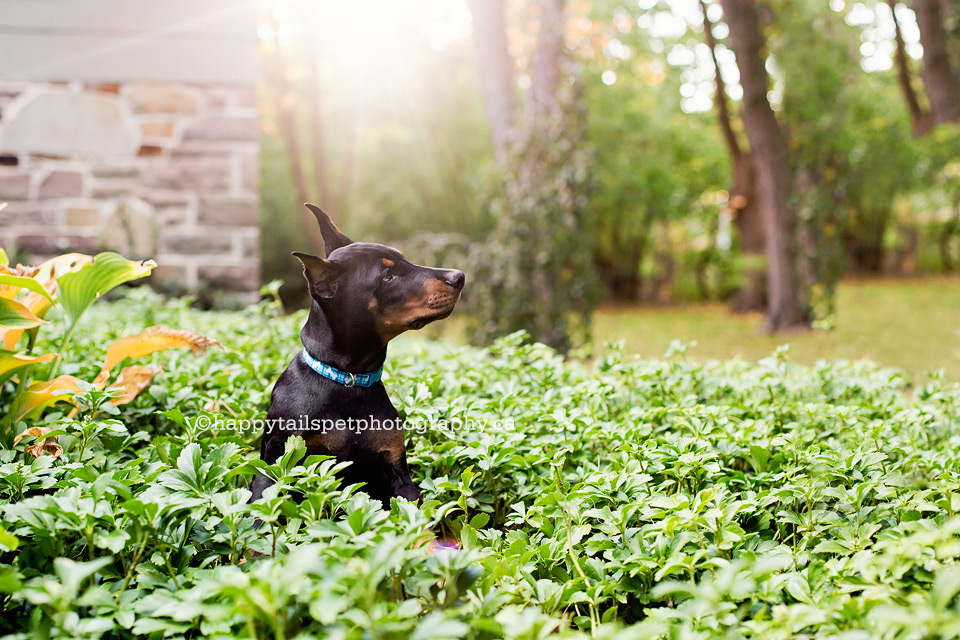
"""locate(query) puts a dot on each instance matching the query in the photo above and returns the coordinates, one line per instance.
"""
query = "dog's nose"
(455, 278)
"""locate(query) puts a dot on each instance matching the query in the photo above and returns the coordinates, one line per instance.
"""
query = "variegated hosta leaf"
(10, 362)
(41, 446)
(13, 315)
(12, 280)
(38, 305)
(67, 263)
(149, 341)
(81, 288)
(133, 380)
(40, 395)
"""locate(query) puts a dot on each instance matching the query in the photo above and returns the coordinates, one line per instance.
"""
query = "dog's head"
(367, 287)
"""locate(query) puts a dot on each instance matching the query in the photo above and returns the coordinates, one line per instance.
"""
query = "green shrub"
(629, 499)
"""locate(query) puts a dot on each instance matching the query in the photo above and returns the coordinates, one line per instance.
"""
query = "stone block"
(240, 128)
(61, 184)
(132, 230)
(231, 278)
(157, 128)
(188, 173)
(164, 274)
(163, 197)
(118, 169)
(229, 212)
(15, 186)
(54, 244)
(197, 241)
(83, 217)
(160, 98)
(250, 171)
(29, 214)
(113, 188)
(64, 123)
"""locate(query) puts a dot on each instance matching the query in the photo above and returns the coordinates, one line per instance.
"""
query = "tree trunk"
(943, 85)
(771, 166)
(496, 71)
(743, 204)
(743, 197)
(919, 119)
(545, 67)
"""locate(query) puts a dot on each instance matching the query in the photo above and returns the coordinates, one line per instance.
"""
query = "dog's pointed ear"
(332, 238)
(321, 275)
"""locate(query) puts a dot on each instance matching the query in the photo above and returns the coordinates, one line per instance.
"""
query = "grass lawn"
(910, 324)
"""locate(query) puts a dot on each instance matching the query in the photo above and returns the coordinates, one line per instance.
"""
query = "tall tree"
(743, 199)
(770, 164)
(496, 71)
(919, 117)
(536, 263)
(942, 84)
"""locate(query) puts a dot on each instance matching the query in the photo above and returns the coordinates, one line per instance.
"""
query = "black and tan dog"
(362, 296)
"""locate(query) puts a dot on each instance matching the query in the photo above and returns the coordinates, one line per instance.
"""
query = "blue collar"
(341, 377)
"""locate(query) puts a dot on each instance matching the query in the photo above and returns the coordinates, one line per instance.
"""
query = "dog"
(362, 296)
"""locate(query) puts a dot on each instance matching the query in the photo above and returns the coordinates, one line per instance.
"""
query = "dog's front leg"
(393, 465)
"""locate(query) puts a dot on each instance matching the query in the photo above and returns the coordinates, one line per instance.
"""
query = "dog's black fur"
(362, 296)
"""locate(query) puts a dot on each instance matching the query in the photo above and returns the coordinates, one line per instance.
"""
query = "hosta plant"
(71, 282)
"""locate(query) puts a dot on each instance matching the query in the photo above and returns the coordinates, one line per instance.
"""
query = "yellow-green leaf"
(4, 260)
(40, 395)
(25, 283)
(14, 315)
(79, 289)
(10, 362)
(149, 341)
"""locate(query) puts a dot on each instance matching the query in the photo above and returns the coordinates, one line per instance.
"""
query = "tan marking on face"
(434, 298)
(387, 262)
(372, 305)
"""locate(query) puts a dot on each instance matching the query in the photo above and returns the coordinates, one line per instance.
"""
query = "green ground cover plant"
(620, 498)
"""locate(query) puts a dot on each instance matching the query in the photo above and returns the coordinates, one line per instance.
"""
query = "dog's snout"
(455, 279)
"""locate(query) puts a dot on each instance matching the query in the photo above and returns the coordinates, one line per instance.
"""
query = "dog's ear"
(332, 238)
(321, 275)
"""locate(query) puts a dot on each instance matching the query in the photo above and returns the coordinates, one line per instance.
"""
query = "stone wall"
(166, 170)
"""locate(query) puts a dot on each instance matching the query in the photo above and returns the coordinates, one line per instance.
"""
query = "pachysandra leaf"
(40, 395)
(81, 288)
(151, 340)
(13, 315)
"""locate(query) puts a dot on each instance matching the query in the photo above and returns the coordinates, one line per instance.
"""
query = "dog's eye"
(387, 277)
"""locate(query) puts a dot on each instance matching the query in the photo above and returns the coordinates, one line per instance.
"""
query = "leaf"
(4, 260)
(79, 289)
(43, 445)
(10, 362)
(50, 270)
(13, 315)
(10, 285)
(40, 395)
(38, 305)
(133, 380)
(149, 341)
(8, 541)
(9, 290)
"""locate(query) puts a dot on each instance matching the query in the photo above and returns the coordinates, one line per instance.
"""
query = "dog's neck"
(357, 355)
